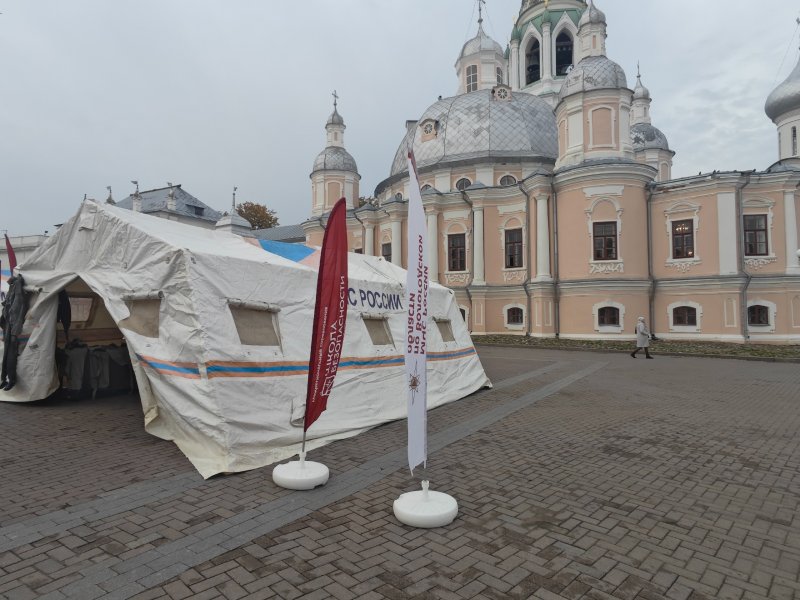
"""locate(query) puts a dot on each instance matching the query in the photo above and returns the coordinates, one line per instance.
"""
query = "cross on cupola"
(335, 99)
(480, 11)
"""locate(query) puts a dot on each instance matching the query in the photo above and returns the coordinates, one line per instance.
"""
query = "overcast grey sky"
(217, 93)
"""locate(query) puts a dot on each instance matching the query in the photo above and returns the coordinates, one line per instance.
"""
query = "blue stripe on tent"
(168, 367)
(295, 252)
(372, 363)
(459, 354)
(276, 369)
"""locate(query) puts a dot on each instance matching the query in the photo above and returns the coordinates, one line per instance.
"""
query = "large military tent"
(218, 330)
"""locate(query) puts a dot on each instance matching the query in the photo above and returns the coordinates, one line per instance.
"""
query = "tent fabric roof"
(228, 404)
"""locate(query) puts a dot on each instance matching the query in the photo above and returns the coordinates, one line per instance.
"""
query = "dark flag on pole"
(12, 258)
(330, 314)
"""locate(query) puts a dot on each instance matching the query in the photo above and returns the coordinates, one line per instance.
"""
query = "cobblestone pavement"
(580, 475)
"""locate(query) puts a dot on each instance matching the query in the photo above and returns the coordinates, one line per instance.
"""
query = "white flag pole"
(423, 508)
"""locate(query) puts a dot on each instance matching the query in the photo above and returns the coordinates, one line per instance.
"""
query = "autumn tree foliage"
(260, 216)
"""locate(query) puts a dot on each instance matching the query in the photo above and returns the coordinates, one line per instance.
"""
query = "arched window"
(758, 314)
(472, 78)
(608, 315)
(499, 76)
(563, 53)
(426, 187)
(398, 196)
(463, 184)
(533, 63)
(514, 316)
(684, 315)
(508, 180)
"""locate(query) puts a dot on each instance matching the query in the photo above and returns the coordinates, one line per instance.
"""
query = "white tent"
(218, 328)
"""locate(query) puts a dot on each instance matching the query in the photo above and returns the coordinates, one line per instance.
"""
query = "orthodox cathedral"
(551, 208)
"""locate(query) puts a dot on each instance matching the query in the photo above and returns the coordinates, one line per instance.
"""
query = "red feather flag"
(330, 314)
(12, 258)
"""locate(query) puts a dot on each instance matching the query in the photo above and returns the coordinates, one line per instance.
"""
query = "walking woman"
(642, 339)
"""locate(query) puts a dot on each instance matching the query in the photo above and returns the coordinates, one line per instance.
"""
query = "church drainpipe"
(466, 199)
(556, 287)
(740, 251)
(652, 309)
(528, 257)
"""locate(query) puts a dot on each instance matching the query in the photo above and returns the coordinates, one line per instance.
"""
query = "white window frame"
(467, 78)
(773, 316)
(682, 211)
(608, 328)
(605, 266)
(685, 328)
(515, 326)
(513, 223)
(753, 207)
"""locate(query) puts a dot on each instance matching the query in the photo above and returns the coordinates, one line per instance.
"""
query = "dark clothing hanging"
(64, 315)
(15, 307)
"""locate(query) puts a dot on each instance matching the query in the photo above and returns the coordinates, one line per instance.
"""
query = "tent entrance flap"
(91, 353)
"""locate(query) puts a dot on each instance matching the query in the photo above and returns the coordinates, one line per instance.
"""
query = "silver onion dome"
(593, 73)
(475, 125)
(480, 43)
(335, 118)
(334, 158)
(640, 92)
(785, 97)
(592, 15)
(646, 137)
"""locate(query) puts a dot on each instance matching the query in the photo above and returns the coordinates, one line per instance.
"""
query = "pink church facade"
(550, 205)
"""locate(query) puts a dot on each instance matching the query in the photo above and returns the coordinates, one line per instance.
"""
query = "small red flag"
(330, 314)
(12, 258)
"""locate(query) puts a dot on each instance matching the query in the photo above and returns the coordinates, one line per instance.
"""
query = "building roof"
(185, 204)
(281, 233)
(785, 97)
(593, 73)
(475, 125)
(334, 158)
(645, 137)
(480, 43)
(592, 15)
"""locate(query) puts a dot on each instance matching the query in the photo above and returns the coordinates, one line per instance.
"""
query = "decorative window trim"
(457, 276)
(467, 78)
(604, 266)
(685, 328)
(501, 93)
(678, 212)
(608, 328)
(512, 223)
(757, 206)
(429, 129)
(459, 180)
(531, 34)
(504, 175)
(773, 316)
(590, 121)
(564, 24)
(514, 326)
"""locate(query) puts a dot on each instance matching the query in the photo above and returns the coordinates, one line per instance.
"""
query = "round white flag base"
(300, 474)
(425, 508)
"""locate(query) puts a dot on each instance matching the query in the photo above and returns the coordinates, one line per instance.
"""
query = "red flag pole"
(327, 340)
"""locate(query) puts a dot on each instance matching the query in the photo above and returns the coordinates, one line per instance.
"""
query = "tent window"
(144, 317)
(445, 330)
(256, 326)
(81, 308)
(378, 330)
